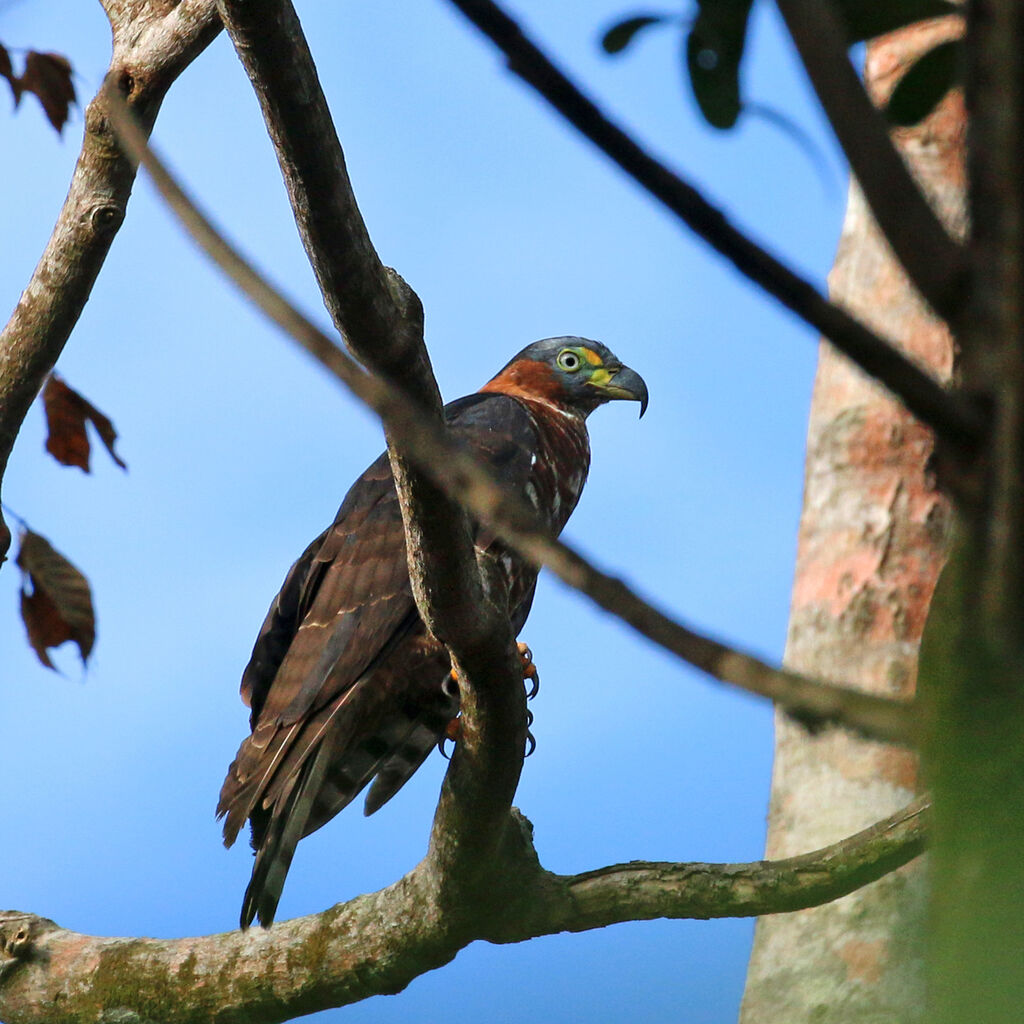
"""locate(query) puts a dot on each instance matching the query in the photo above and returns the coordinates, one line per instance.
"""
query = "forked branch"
(380, 942)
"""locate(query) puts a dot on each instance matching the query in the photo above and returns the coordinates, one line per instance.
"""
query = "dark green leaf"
(621, 34)
(714, 48)
(919, 91)
(866, 19)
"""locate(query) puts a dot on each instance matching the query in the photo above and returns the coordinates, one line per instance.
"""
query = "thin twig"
(460, 476)
(951, 415)
(934, 261)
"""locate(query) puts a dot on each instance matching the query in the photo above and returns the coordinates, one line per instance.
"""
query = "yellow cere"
(600, 378)
(591, 356)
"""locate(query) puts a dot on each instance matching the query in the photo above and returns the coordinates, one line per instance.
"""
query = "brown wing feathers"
(344, 684)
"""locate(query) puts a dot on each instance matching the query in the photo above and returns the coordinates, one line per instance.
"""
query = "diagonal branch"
(380, 942)
(462, 478)
(151, 47)
(951, 415)
(933, 260)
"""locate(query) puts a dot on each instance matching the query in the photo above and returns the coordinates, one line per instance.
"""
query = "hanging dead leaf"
(67, 413)
(56, 602)
(48, 75)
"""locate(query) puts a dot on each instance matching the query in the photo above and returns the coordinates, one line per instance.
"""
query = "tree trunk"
(871, 544)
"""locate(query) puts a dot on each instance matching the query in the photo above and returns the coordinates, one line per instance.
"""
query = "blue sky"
(511, 229)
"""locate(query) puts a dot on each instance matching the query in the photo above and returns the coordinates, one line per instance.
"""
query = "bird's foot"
(451, 683)
(529, 670)
(453, 733)
(453, 730)
(529, 673)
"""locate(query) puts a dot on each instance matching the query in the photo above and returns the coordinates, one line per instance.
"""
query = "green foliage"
(717, 35)
(622, 33)
(714, 49)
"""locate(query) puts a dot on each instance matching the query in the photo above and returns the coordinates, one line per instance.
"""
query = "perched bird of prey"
(345, 683)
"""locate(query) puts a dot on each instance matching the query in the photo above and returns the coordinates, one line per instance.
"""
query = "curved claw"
(534, 687)
(531, 742)
(451, 732)
(529, 670)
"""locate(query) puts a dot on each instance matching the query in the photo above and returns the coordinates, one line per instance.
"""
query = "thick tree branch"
(933, 260)
(379, 942)
(951, 415)
(641, 890)
(376, 312)
(151, 47)
(462, 478)
(381, 319)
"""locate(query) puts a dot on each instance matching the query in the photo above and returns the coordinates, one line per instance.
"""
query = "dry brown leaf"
(48, 75)
(56, 602)
(67, 413)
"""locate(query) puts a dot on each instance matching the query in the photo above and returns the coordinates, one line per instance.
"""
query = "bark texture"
(871, 545)
(379, 942)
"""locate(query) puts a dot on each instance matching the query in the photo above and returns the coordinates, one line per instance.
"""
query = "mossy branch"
(380, 942)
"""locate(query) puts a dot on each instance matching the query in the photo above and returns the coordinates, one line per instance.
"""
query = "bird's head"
(575, 373)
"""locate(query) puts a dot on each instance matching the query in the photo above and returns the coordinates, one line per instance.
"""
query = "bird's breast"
(558, 469)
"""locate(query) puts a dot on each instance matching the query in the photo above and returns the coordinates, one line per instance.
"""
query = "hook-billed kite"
(345, 683)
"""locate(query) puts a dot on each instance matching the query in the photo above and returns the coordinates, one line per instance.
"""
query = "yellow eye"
(569, 360)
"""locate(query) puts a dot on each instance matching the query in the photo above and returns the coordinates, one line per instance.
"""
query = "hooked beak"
(625, 384)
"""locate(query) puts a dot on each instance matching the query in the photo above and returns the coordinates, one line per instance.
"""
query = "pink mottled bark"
(871, 545)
